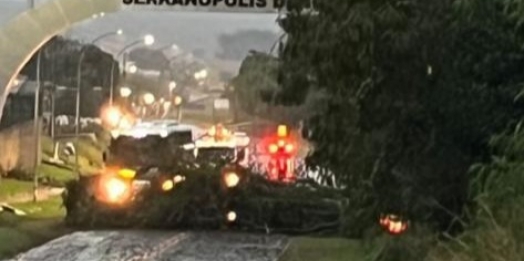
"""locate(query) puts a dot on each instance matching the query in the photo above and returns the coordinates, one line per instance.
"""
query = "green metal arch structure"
(25, 34)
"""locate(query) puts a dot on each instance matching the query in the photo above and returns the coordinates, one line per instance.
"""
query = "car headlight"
(168, 185)
(231, 216)
(114, 190)
(231, 179)
(178, 178)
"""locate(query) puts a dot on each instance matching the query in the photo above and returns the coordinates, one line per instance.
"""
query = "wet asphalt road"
(158, 246)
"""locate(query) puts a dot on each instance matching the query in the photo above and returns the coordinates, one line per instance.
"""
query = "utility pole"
(179, 113)
(53, 99)
(36, 127)
(77, 111)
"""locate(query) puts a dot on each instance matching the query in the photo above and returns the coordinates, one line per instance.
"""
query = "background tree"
(255, 90)
(59, 62)
(149, 59)
(237, 45)
(413, 91)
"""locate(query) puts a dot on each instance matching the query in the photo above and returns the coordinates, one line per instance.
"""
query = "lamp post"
(78, 85)
(36, 127)
(147, 40)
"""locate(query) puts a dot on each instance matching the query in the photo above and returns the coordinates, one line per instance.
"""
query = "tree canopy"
(59, 64)
(237, 45)
(413, 92)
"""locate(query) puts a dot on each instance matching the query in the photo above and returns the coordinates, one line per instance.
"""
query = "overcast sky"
(190, 30)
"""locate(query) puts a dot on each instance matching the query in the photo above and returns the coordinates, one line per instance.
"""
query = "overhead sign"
(248, 6)
(222, 104)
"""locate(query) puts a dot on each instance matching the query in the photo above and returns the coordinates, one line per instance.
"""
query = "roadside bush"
(497, 188)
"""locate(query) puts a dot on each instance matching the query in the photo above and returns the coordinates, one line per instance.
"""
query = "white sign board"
(221, 104)
(244, 6)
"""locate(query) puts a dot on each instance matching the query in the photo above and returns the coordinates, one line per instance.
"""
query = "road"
(158, 246)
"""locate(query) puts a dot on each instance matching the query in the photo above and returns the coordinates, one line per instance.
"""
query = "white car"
(162, 128)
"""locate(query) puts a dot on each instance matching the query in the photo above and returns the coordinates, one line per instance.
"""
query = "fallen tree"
(202, 201)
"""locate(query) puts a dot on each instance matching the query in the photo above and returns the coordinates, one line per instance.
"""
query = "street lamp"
(79, 83)
(200, 75)
(178, 100)
(132, 69)
(149, 98)
(146, 40)
(125, 92)
(172, 86)
(203, 73)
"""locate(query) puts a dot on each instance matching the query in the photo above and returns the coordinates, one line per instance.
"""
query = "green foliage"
(323, 249)
(257, 77)
(497, 230)
(256, 90)
(12, 187)
(202, 202)
(43, 223)
(412, 93)
(237, 45)
(59, 64)
(149, 59)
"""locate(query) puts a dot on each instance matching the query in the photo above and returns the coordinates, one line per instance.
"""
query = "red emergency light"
(281, 149)
(282, 146)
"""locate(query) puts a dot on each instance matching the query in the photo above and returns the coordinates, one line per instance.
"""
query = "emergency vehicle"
(122, 183)
(281, 150)
(219, 142)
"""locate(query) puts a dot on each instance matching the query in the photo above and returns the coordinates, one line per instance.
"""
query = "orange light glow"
(231, 179)
(282, 131)
(393, 224)
(178, 100)
(127, 173)
(273, 148)
(397, 227)
(125, 123)
(289, 148)
(113, 190)
(112, 116)
(219, 132)
(168, 185)
(212, 131)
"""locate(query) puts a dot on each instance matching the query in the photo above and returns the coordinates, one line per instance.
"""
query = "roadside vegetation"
(415, 108)
(324, 249)
(44, 219)
(42, 223)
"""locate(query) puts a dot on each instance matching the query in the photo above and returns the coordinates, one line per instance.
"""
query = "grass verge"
(12, 187)
(42, 223)
(323, 249)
